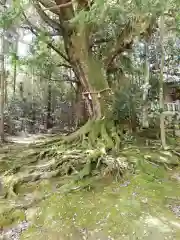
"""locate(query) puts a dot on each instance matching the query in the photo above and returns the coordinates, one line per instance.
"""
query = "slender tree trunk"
(145, 122)
(49, 103)
(33, 104)
(161, 83)
(2, 76)
(6, 89)
(15, 67)
(21, 90)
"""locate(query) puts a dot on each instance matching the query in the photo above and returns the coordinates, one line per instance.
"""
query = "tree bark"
(89, 72)
(15, 67)
(2, 81)
(76, 43)
(49, 103)
(161, 81)
(6, 89)
(81, 115)
(145, 122)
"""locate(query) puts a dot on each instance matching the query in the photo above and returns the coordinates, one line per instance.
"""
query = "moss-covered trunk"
(83, 68)
(161, 90)
(89, 73)
(95, 91)
(145, 122)
(2, 85)
(81, 113)
(76, 42)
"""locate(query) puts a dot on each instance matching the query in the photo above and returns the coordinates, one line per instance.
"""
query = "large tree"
(95, 34)
(94, 39)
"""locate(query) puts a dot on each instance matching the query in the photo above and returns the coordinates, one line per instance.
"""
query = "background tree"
(2, 74)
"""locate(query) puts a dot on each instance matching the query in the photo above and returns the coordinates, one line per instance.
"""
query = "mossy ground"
(136, 208)
(139, 206)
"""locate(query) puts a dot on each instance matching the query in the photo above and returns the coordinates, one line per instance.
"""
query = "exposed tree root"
(29, 178)
(94, 150)
(176, 153)
(79, 133)
(96, 132)
(86, 152)
(77, 162)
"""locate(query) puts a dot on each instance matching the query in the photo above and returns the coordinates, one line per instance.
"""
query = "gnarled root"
(96, 132)
(12, 184)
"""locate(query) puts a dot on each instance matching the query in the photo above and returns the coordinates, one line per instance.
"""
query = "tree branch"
(99, 41)
(118, 51)
(35, 31)
(52, 23)
(65, 78)
(63, 65)
(123, 41)
(126, 38)
(49, 44)
(49, 5)
(52, 34)
(67, 11)
(59, 6)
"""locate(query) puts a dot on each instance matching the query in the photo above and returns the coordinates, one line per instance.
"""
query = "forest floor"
(144, 204)
(27, 138)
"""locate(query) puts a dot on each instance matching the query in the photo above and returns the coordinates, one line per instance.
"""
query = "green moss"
(30, 187)
(113, 209)
(104, 207)
(11, 216)
(18, 215)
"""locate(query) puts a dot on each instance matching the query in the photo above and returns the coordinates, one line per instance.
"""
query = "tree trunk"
(161, 81)
(6, 89)
(145, 122)
(81, 115)
(15, 67)
(2, 76)
(49, 98)
(76, 43)
(33, 110)
(89, 72)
